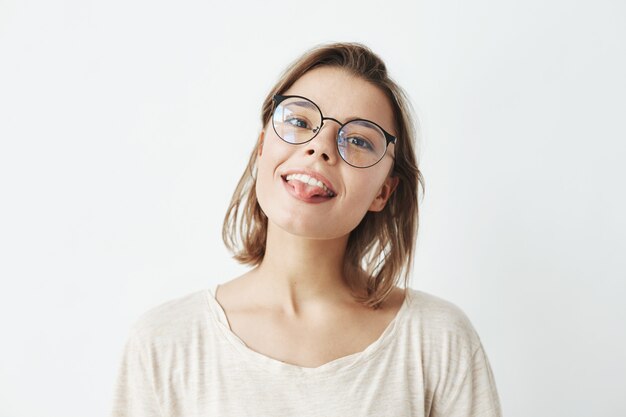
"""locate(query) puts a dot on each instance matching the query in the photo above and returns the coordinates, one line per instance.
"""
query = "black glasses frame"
(278, 98)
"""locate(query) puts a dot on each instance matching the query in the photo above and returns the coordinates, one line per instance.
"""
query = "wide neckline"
(344, 363)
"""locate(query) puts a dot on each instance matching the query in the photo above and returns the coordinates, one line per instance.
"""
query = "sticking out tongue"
(307, 191)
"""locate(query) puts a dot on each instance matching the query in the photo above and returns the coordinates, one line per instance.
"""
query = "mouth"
(307, 188)
(310, 177)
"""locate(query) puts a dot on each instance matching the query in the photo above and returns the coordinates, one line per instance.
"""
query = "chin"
(308, 229)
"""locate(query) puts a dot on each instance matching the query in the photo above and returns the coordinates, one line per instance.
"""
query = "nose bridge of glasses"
(333, 119)
(329, 118)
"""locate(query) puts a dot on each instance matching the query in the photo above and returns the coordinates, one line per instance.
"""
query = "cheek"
(363, 191)
(265, 172)
(272, 156)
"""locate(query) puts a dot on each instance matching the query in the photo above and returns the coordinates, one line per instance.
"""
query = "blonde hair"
(380, 249)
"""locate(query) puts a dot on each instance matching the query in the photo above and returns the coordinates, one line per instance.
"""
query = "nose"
(324, 143)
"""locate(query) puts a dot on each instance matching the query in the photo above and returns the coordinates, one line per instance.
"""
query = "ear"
(384, 193)
(261, 138)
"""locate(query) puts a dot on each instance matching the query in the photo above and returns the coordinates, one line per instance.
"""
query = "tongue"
(307, 191)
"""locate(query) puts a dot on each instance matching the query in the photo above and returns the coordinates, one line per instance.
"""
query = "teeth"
(309, 180)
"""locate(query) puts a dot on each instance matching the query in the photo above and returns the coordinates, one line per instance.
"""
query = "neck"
(299, 273)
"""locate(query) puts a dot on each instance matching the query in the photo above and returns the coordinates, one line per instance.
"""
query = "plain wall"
(125, 125)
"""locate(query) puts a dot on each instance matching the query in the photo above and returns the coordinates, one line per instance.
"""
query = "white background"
(125, 126)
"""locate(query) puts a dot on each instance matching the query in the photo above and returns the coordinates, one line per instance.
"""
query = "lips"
(298, 190)
(311, 174)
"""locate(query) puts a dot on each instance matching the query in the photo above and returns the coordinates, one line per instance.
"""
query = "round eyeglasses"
(361, 143)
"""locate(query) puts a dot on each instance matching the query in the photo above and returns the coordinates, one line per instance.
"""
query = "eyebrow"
(303, 103)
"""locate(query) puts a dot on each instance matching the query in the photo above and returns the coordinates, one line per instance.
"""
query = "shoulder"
(456, 371)
(440, 324)
(177, 318)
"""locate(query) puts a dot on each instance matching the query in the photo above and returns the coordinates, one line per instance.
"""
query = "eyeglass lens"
(360, 143)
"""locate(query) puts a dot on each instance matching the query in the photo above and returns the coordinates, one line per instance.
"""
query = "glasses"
(361, 143)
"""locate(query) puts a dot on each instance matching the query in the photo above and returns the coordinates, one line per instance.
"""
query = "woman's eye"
(297, 122)
(360, 142)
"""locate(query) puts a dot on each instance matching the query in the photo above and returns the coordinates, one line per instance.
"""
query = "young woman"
(326, 214)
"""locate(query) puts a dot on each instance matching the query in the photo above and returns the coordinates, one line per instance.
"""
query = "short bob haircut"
(380, 249)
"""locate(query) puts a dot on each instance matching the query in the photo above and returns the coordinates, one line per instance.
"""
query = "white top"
(182, 360)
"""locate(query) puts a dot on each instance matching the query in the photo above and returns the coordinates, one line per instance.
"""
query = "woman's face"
(341, 96)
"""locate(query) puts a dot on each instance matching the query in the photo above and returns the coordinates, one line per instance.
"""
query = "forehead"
(343, 96)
